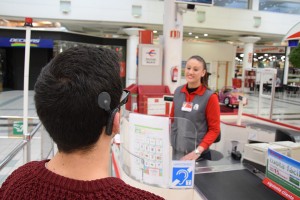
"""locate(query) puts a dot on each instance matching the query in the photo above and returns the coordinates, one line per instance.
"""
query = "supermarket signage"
(20, 42)
(182, 174)
(283, 175)
(264, 50)
(150, 56)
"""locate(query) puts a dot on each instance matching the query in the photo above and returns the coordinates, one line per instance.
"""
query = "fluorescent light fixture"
(205, 34)
(190, 33)
(257, 21)
(65, 6)
(200, 16)
(136, 10)
(196, 37)
(155, 31)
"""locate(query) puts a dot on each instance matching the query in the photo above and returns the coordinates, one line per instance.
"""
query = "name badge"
(187, 106)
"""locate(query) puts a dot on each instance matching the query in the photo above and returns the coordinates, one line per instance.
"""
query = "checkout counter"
(224, 177)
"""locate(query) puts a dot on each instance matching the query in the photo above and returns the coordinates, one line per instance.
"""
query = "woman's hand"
(193, 155)
(190, 156)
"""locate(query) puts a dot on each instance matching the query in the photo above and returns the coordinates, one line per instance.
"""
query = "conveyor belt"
(233, 185)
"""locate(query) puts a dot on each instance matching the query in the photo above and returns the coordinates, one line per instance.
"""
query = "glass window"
(281, 6)
(243, 4)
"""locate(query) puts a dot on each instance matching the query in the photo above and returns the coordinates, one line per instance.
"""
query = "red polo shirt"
(212, 115)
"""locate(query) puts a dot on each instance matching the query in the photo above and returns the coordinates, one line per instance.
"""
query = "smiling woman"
(196, 102)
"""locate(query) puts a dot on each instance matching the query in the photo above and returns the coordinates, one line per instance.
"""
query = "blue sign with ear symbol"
(182, 174)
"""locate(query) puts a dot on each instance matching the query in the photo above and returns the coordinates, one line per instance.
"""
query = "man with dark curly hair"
(77, 97)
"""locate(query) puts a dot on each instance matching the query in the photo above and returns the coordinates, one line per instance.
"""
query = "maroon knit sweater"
(34, 181)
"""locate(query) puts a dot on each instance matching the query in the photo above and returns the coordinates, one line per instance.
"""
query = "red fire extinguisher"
(174, 74)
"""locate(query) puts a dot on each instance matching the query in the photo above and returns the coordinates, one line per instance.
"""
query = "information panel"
(283, 175)
(149, 137)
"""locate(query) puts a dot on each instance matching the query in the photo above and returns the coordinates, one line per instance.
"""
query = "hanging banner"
(250, 57)
(20, 42)
(250, 76)
(264, 50)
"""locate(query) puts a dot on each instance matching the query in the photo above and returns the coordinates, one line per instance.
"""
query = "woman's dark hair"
(66, 94)
(204, 79)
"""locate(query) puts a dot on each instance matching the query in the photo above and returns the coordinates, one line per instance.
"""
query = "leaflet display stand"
(151, 101)
(148, 99)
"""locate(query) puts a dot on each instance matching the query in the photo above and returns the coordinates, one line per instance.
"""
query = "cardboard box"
(294, 148)
(258, 152)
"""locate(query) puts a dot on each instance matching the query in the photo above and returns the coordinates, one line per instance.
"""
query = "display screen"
(205, 2)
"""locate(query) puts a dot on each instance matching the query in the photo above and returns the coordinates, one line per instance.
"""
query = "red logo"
(151, 53)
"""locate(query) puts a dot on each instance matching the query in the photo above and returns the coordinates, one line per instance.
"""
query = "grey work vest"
(184, 137)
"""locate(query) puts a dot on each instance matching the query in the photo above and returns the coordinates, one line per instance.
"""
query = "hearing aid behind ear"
(110, 122)
(104, 101)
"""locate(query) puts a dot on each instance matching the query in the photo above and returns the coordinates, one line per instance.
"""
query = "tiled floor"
(286, 109)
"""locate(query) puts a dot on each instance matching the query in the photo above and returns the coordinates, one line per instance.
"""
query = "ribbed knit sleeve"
(34, 181)
(213, 121)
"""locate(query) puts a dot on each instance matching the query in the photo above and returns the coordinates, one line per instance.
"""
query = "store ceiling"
(115, 30)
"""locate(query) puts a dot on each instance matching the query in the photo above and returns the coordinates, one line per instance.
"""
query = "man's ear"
(116, 124)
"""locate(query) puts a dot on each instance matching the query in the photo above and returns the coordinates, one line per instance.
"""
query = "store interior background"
(210, 31)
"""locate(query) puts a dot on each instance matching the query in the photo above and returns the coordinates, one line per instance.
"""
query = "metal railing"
(25, 145)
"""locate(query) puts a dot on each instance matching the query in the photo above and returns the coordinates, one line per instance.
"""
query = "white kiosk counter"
(222, 178)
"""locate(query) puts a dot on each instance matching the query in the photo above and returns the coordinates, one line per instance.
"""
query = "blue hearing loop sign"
(182, 174)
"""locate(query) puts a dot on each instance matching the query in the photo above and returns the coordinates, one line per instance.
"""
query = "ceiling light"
(155, 31)
(190, 33)
(65, 6)
(196, 37)
(136, 10)
(257, 21)
(200, 16)
(205, 34)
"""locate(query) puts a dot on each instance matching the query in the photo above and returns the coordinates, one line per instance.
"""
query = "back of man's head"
(66, 95)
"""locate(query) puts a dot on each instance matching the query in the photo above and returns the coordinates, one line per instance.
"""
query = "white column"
(248, 54)
(26, 135)
(131, 54)
(173, 20)
(286, 66)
